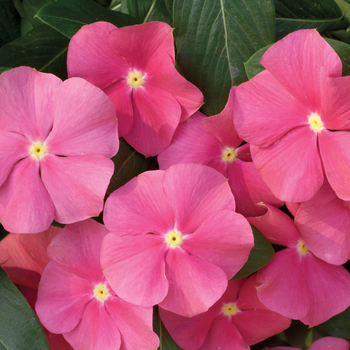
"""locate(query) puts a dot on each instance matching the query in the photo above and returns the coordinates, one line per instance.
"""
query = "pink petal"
(277, 227)
(225, 239)
(77, 185)
(334, 150)
(96, 330)
(27, 109)
(329, 289)
(77, 249)
(62, 298)
(195, 284)
(140, 206)
(195, 191)
(56, 341)
(156, 116)
(264, 111)
(134, 324)
(291, 167)
(90, 56)
(284, 288)
(25, 204)
(327, 343)
(143, 45)
(191, 144)
(297, 61)
(224, 335)
(85, 123)
(293, 207)
(134, 267)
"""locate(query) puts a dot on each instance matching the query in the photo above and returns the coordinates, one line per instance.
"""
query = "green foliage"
(19, 327)
(31, 8)
(213, 39)
(9, 22)
(337, 326)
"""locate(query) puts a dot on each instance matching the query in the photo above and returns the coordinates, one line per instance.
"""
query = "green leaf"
(253, 66)
(68, 16)
(3, 233)
(147, 10)
(214, 38)
(337, 326)
(31, 7)
(292, 15)
(19, 327)
(43, 48)
(127, 164)
(343, 51)
(259, 256)
(9, 22)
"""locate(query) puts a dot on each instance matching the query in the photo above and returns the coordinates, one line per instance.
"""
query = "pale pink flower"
(236, 321)
(296, 116)
(55, 141)
(213, 141)
(295, 283)
(74, 298)
(175, 239)
(134, 65)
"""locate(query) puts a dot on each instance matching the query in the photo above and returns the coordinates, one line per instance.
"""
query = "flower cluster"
(176, 237)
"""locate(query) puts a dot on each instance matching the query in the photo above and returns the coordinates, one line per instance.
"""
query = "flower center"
(101, 292)
(315, 122)
(302, 249)
(228, 155)
(37, 150)
(229, 309)
(135, 79)
(173, 238)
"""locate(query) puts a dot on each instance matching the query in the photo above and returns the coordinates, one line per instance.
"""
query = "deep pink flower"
(213, 141)
(55, 141)
(75, 300)
(175, 239)
(237, 320)
(135, 67)
(296, 116)
(295, 283)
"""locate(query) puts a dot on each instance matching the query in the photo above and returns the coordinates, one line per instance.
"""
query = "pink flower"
(214, 142)
(55, 141)
(175, 239)
(75, 300)
(135, 67)
(296, 116)
(295, 283)
(237, 320)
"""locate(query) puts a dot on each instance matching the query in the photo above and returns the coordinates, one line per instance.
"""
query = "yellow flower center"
(135, 79)
(37, 150)
(229, 309)
(173, 238)
(302, 249)
(101, 292)
(228, 155)
(315, 122)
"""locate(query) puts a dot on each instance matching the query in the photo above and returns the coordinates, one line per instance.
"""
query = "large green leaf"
(19, 327)
(259, 256)
(43, 48)
(147, 10)
(337, 326)
(31, 7)
(214, 38)
(292, 15)
(9, 22)
(69, 16)
(253, 66)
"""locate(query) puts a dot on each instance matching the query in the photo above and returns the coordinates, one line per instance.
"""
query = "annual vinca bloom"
(296, 116)
(175, 239)
(56, 138)
(74, 298)
(134, 66)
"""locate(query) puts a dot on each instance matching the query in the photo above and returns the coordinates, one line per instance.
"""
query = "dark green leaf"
(69, 16)
(4, 69)
(343, 51)
(292, 15)
(337, 326)
(169, 4)
(43, 48)
(9, 22)
(147, 10)
(259, 256)
(127, 164)
(19, 327)
(3, 233)
(31, 7)
(214, 38)
(253, 66)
